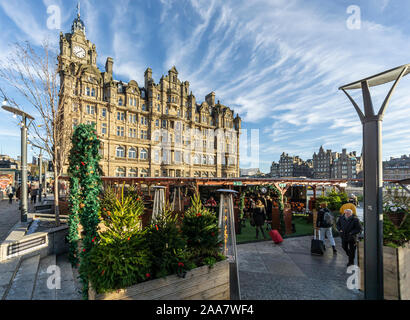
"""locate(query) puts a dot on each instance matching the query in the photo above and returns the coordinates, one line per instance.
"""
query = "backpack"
(328, 218)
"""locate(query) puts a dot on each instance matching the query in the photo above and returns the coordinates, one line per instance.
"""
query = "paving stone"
(41, 290)
(290, 272)
(23, 282)
(68, 289)
(7, 270)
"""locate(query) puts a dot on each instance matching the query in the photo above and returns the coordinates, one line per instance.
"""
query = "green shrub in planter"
(167, 245)
(394, 236)
(200, 227)
(119, 264)
(120, 257)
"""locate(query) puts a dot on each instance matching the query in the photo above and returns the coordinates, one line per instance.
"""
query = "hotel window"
(103, 128)
(132, 133)
(144, 121)
(143, 154)
(211, 160)
(144, 134)
(157, 123)
(204, 159)
(166, 110)
(87, 91)
(158, 97)
(133, 173)
(144, 173)
(120, 131)
(120, 116)
(75, 107)
(179, 113)
(156, 156)
(158, 108)
(132, 118)
(103, 112)
(165, 156)
(120, 152)
(132, 153)
(75, 123)
(92, 92)
(120, 172)
(90, 109)
(156, 136)
(197, 159)
(144, 107)
(164, 123)
(120, 102)
(177, 156)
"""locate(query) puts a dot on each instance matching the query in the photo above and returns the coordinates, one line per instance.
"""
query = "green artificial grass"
(248, 233)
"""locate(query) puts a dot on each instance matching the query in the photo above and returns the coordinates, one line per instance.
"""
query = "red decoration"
(148, 275)
(180, 264)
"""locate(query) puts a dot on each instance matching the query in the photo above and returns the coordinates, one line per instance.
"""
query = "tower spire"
(78, 9)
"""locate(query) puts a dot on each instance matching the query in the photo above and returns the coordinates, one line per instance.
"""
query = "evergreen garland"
(85, 184)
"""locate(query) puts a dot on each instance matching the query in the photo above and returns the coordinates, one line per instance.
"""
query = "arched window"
(120, 152)
(143, 154)
(144, 173)
(133, 172)
(120, 172)
(132, 153)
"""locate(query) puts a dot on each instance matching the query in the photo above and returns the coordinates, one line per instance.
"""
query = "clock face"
(79, 52)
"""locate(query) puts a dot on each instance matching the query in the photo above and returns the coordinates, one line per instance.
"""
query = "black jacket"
(320, 222)
(259, 216)
(349, 227)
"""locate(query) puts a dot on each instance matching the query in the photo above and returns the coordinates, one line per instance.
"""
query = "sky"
(277, 63)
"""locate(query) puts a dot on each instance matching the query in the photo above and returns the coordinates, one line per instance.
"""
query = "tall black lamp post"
(373, 176)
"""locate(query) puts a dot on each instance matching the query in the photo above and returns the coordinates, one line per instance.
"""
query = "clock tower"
(75, 49)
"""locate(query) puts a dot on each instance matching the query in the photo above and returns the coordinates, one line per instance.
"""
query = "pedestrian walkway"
(289, 272)
(9, 216)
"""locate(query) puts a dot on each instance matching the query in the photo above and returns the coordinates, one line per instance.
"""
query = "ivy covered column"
(85, 184)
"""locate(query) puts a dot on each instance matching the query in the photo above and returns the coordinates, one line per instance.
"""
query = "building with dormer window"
(154, 129)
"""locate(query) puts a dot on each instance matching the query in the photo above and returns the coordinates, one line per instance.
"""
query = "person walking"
(324, 222)
(10, 193)
(33, 194)
(349, 227)
(259, 217)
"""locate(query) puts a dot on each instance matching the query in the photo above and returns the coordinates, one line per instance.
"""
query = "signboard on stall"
(5, 180)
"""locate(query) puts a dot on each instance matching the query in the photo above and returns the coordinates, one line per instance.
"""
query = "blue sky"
(277, 63)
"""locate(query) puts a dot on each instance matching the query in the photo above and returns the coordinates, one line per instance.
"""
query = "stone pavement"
(9, 216)
(289, 272)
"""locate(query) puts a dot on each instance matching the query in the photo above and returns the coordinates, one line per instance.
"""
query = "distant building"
(322, 164)
(396, 168)
(346, 165)
(293, 166)
(249, 172)
(274, 170)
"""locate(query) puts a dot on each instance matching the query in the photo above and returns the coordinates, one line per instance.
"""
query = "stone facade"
(397, 168)
(322, 162)
(292, 166)
(158, 129)
(346, 165)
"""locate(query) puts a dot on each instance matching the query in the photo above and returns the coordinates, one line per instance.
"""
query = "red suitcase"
(275, 235)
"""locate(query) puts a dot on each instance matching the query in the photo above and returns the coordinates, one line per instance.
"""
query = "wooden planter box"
(202, 283)
(396, 271)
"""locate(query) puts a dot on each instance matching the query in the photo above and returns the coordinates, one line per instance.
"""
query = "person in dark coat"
(324, 222)
(349, 227)
(269, 206)
(259, 217)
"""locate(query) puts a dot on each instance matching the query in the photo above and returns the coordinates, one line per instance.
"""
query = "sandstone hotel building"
(154, 130)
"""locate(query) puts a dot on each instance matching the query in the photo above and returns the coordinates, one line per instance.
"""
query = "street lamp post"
(373, 176)
(24, 195)
(40, 171)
